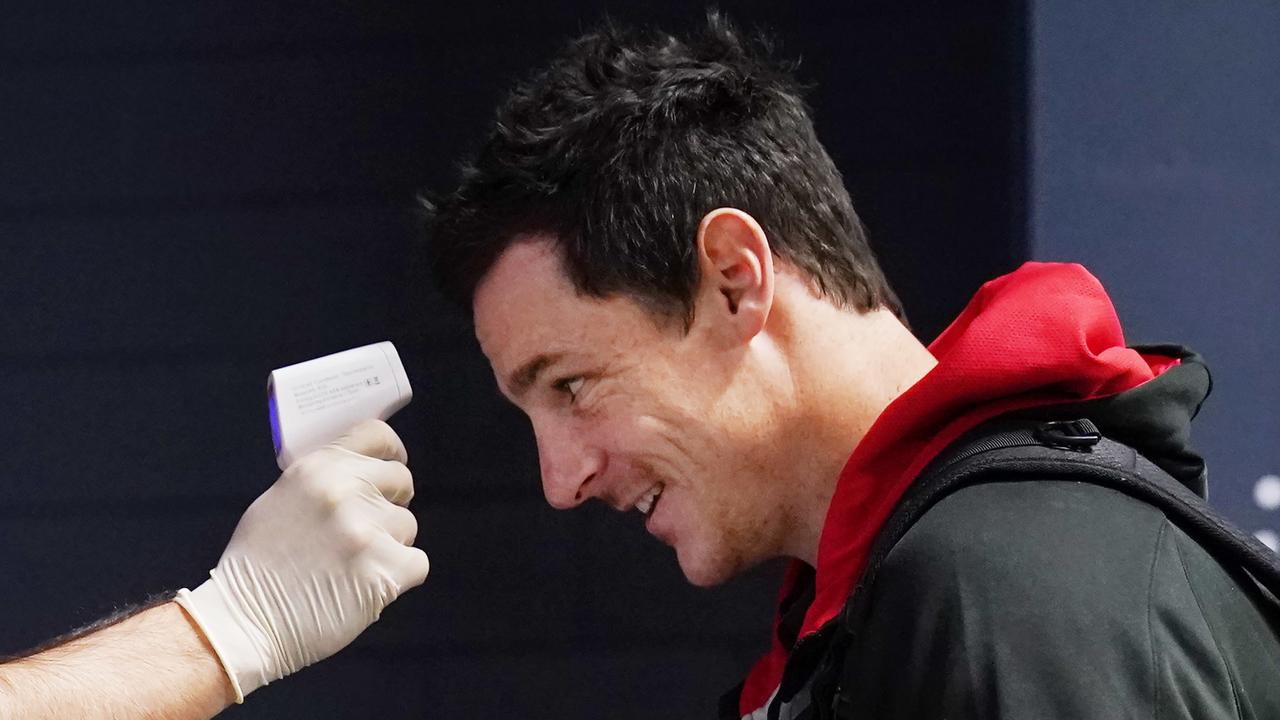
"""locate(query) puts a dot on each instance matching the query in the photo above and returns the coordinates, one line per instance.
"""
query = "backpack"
(1022, 449)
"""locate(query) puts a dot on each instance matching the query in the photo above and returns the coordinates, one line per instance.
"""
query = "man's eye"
(570, 385)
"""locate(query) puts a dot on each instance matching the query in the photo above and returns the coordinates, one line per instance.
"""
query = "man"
(667, 276)
(312, 562)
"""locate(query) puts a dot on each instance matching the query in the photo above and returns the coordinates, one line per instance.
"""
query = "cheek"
(638, 417)
(735, 517)
(678, 437)
(674, 444)
(607, 427)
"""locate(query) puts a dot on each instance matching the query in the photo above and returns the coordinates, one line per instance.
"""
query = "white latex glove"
(313, 561)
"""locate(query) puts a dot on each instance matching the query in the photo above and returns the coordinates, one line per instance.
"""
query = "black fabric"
(728, 705)
(969, 621)
(1027, 598)
(1047, 591)
(792, 608)
(1154, 417)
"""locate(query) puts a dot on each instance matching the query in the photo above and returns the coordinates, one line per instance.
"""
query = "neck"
(845, 368)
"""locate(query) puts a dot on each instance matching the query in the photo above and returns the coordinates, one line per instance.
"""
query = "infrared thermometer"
(314, 402)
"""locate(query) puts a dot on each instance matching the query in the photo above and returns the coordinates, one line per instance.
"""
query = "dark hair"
(621, 146)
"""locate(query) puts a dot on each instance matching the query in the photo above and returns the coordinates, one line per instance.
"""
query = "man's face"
(636, 412)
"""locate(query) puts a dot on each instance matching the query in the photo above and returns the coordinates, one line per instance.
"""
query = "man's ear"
(735, 280)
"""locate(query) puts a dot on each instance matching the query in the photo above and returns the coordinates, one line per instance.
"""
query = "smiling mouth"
(649, 500)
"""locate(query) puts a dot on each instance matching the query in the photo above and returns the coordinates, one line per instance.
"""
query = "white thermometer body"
(314, 402)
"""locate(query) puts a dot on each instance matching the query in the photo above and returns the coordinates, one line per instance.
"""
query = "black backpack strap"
(1012, 450)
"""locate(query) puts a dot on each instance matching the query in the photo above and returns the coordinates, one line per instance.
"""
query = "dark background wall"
(194, 193)
(1156, 162)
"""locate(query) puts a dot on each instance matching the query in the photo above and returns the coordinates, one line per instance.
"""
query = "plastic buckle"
(1079, 434)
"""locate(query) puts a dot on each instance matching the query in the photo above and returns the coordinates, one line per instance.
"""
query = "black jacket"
(1062, 600)
(1054, 599)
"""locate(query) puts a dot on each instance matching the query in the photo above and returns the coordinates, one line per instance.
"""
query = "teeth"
(648, 500)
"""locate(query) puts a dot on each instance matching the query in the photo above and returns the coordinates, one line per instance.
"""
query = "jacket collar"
(1044, 335)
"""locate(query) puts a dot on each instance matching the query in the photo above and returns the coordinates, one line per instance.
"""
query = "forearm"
(313, 561)
(154, 666)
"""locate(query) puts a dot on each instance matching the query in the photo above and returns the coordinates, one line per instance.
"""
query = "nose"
(570, 465)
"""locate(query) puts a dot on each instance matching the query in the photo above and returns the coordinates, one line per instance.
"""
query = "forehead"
(526, 284)
(526, 305)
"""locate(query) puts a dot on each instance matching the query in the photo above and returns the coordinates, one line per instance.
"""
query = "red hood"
(1044, 334)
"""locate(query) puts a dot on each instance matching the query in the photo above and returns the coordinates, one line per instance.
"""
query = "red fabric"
(1044, 334)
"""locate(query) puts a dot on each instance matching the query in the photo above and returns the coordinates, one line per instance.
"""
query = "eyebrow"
(527, 374)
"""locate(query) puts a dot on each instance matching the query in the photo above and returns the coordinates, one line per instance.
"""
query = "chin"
(706, 570)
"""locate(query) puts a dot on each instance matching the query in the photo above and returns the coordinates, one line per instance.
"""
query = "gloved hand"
(313, 561)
